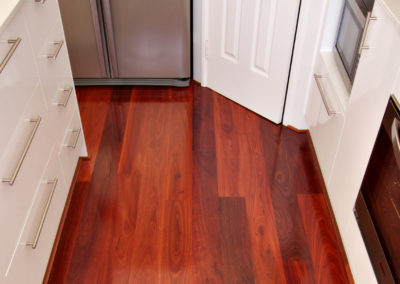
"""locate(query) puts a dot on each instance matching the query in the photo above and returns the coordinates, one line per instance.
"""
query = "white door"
(249, 47)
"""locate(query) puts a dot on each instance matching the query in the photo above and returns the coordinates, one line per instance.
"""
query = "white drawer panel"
(52, 71)
(325, 129)
(40, 18)
(62, 102)
(15, 199)
(28, 264)
(71, 147)
(17, 80)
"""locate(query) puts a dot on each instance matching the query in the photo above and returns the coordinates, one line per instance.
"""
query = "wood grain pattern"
(289, 226)
(321, 240)
(241, 163)
(177, 242)
(207, 262)
(94, 107)
(185, 186)
(238, 263)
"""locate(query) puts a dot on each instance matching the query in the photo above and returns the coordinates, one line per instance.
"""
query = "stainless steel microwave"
(351, 34)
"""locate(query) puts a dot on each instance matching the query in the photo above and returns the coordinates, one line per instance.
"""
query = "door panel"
(230, 30)
(249, 52)
(264, 32)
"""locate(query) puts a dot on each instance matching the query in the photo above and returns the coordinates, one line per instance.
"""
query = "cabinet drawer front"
(53, 63)
(71, 146)
(18, 79)
(325, 130)
(40, 18)
(15, 199)
(56, 90)
(62, 105)
(51, 196)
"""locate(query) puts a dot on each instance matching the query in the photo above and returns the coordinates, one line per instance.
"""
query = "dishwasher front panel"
(148, 39)
(85, 38)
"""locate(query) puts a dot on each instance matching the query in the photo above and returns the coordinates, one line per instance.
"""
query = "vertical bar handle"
(26, 148)
(364, 34)
(98, 32)
(112, 51)
(395, 140)
(46, 209)
(66, 99)
(328, 108)
(73, 145)
(59, 44)
(15, 43)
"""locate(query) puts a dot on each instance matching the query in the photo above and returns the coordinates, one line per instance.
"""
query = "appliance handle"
(362, 45)
(330, 111)
(396, 140)
(110, 38)
(98, 36)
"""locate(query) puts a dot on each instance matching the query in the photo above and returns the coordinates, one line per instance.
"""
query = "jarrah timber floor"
(185, 186)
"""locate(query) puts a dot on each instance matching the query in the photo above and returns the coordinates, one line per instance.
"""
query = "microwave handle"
(364, 34)
(396, 140)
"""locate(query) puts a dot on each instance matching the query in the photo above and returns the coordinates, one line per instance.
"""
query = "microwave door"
(349, 37)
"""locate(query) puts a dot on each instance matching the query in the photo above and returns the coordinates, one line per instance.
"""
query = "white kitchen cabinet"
(363, 109)
(40, 18)
(325, 116)
(15, 199)
(30, 256)
(15, 79)
(38, 106)
(396, 87)
(70, 147)
(52, 61)
(373, 84)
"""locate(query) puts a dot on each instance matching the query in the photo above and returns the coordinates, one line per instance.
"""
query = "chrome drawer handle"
(40, 1)
(59, 45)
(328, 108)
(364, 34)
(65, 102)
(39, 230)
(26, 148)
(15, 43)
(73, 145)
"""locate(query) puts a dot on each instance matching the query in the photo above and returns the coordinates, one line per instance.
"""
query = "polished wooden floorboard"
(186, 186)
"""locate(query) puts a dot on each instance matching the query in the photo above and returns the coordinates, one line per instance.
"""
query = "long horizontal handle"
(39, 229)
(66, 99)
(57, 51)
(26, 148)
(15, 43)
(73, 145)
(328, 108)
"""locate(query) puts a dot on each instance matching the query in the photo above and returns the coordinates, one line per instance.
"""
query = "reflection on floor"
(185, 186)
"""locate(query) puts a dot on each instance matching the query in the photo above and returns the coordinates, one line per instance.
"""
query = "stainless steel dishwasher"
(112, 42)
